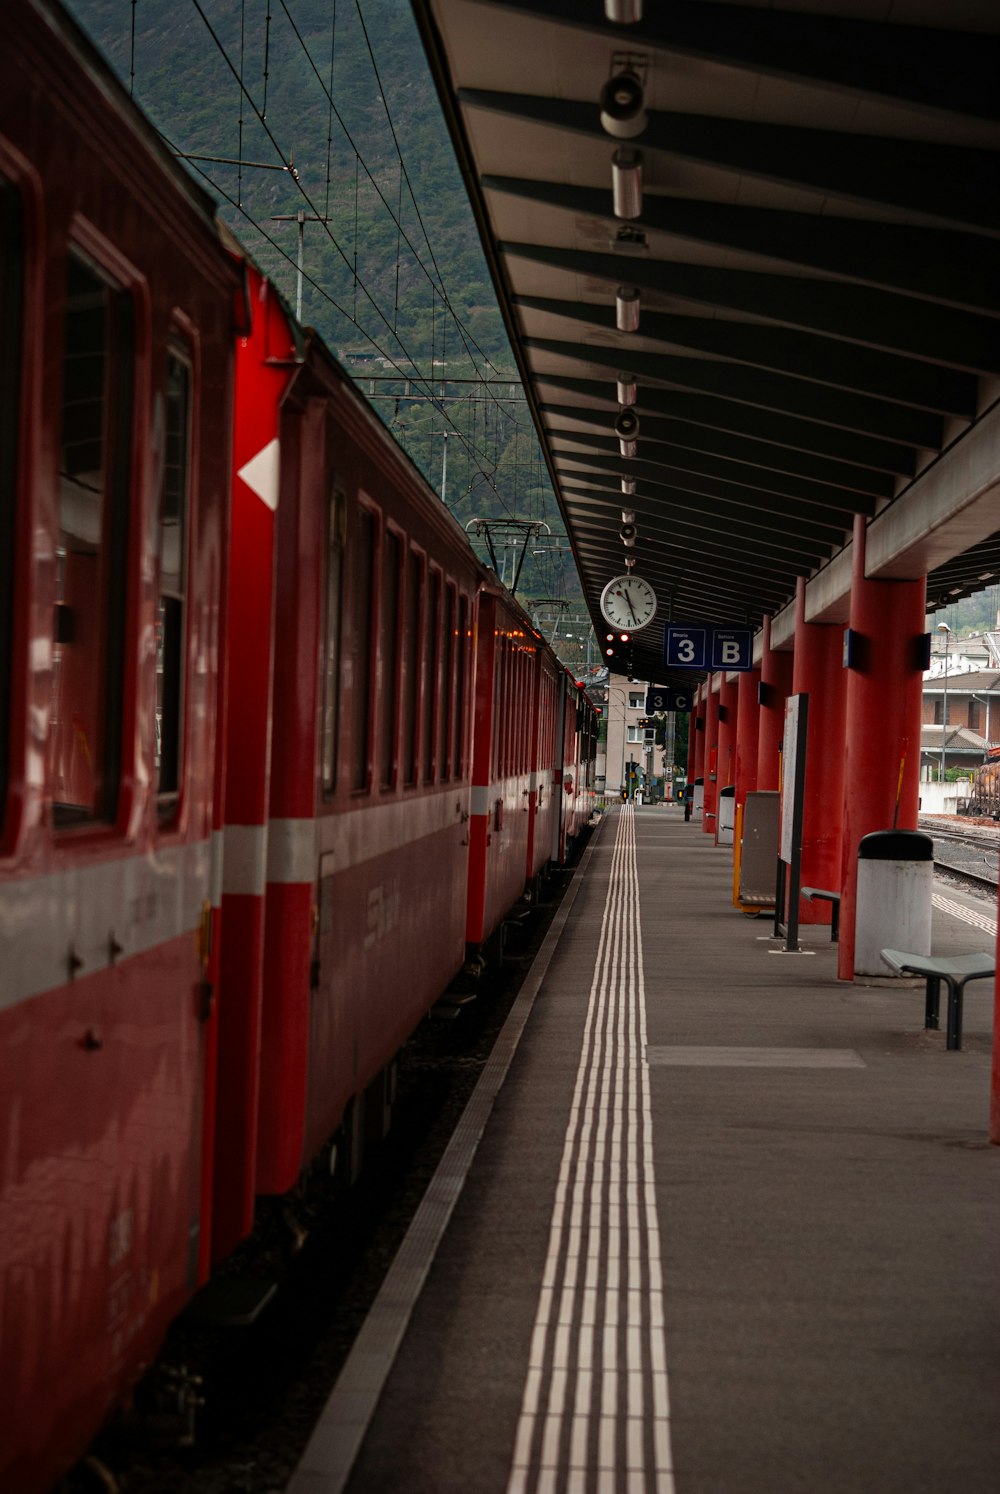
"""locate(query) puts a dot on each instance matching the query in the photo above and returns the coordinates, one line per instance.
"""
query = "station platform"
(729, 1226)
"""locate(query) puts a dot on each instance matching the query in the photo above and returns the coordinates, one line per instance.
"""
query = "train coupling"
(184, 1390)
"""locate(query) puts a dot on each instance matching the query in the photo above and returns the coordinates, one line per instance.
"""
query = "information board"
(703, 646)
(664, 698)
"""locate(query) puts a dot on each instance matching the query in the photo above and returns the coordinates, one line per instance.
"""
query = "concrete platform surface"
(733, 1226)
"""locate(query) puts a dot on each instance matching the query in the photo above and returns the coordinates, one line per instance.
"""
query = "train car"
(118, 304)
(984, 790)
(243, 845)
(367, 856)
(577, 730)
(507, 721)
(544, 798)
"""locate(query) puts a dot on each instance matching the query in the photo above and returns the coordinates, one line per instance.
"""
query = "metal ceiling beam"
(934, 68)
(677, 502)
(719, 414)
(953, 186)
(800, 355)
(684, 492)
(728, 459)
(950, 268)
(849, 486)
(670, 465)
(830, 308)
(891, 432)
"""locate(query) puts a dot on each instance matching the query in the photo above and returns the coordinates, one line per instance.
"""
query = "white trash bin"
(725, 825)
(895, 887)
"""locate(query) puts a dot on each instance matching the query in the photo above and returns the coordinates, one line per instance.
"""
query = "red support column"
(995, 1081)
(818, 671)
(776, 680)
(711, 756)
(727, 732)
(747, 728)
(884, 687)
(698, 732)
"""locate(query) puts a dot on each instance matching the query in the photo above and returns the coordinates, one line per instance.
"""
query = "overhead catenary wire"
(411, 372)
(466, 337)
(325, 294)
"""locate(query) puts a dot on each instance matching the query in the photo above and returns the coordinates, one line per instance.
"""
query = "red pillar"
(884, 687)
(711, 756)
(698, 732)
(727, 732)
(776, 682)
(818, 671)
(747, 728)
(995, 1084)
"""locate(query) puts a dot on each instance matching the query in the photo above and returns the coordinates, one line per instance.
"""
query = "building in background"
(625, 740)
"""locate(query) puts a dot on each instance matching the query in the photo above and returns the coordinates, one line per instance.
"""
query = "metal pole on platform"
(944, 628)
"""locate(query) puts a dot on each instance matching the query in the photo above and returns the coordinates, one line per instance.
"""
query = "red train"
(271, 737)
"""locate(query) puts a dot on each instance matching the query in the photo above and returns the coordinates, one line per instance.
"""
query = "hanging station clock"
(628, 602)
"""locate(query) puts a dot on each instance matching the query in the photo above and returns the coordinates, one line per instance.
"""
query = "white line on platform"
(601, 1355)
(967, 915)
(754, 1058)
(336, 1440)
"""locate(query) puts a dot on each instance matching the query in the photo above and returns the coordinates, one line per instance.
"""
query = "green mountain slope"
(394, 277)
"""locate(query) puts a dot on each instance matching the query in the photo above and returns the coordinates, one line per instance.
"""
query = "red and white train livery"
(276, 751)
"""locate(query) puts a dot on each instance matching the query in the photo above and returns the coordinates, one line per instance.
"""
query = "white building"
(624, 706)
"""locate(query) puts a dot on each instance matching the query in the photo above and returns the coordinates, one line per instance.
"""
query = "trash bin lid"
(896, 845)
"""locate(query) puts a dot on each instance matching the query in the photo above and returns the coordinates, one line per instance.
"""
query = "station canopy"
(748, 258)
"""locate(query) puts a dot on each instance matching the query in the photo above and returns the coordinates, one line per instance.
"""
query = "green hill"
(393, 277)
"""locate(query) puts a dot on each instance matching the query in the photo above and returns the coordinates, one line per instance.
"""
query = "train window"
(331, 657)
(461, 664)
(11, 276)
(411, 665)
(503, 670)
(171, 616)
(364, 634)
(446, 697)
(91, 553)
(389, 656)
(430, 671)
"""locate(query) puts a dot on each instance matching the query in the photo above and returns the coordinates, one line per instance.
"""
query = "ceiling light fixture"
(623, 106)
(627, 425)
(627, 308)
(623, 12)
(626, 182)
(625, 387)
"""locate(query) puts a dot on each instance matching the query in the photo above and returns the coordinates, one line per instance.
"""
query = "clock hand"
(628, 597)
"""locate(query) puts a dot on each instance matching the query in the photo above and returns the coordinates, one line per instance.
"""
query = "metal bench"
(822, 894)
(956, 973)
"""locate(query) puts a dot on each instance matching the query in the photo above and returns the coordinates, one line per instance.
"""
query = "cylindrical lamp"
(627, 308)
(626, 182)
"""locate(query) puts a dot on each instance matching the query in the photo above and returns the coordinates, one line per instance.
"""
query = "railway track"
(965, 855)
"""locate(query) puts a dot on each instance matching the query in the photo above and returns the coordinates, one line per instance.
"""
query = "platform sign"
(697, 646)
(793, 787)
(685, 647)
(662, 698)
(732, 648)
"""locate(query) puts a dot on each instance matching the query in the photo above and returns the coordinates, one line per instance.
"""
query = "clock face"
(628, 603)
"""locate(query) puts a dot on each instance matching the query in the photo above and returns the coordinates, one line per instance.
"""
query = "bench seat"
(956, 971)
(823, 894)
